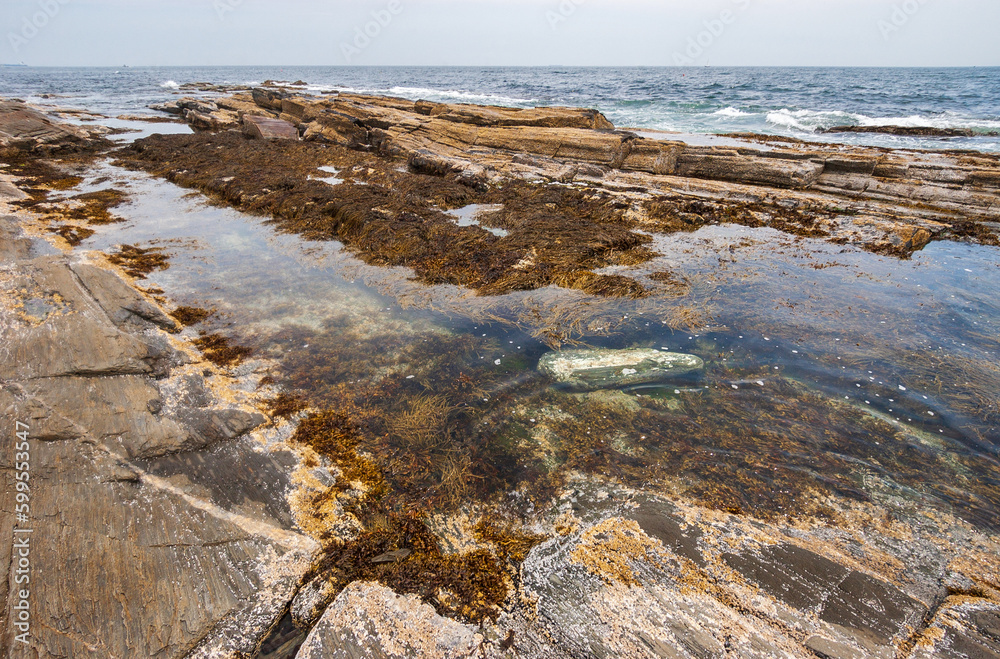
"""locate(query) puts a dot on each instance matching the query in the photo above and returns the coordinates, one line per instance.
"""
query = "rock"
(910, 131)
(653, 157)
(397, 556)
(964, 628)
(589, 370)
(267, 128)
(800, 578)
(875, 614)
(243, 104)
(269, 99)
(611, 590)
(123, 304)
(336, 128)
(826, 648)
(761, 171)
(182, 569)
(170, 107)
(303, 110)
(22, 127)
(216, 120)
(370, 621)
(550, 117)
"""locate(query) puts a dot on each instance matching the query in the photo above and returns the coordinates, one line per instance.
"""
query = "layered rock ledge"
(567, 173)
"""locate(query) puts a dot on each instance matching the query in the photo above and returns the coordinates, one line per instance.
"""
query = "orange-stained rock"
(267, 128)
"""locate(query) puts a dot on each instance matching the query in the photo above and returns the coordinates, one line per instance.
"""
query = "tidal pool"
(829, 370)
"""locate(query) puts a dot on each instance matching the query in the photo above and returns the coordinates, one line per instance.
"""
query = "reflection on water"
(828, 367)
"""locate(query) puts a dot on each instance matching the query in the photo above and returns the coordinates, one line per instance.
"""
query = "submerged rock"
(611, 369)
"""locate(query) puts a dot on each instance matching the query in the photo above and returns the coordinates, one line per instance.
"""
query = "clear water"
(793, 102)
(828, 365)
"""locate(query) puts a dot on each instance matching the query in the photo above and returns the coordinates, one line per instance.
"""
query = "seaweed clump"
(217, 349)
(396, 549)
(188, 316)
(138, 261)
(393, 216)
(40, 179)
(73, 235)
(285, 406)
(512, 544)
(400, 552)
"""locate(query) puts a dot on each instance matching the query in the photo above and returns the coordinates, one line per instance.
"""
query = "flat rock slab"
(267, 128)
(872, 611)
(589, 370)
(967, 629)
(370, 621)
(25, 128)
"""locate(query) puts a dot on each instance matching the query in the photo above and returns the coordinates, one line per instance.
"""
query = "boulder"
(214, 120)
(268, 128)
(336, 128)
(269, 99)
(589, 370)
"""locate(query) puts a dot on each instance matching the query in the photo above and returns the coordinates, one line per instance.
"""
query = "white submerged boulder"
(587, 370)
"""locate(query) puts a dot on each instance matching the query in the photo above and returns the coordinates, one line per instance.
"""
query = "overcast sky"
(495, 32)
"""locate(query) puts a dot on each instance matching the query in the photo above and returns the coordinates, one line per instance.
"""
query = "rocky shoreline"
(176, 518)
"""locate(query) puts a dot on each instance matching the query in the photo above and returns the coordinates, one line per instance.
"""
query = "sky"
(500, 32)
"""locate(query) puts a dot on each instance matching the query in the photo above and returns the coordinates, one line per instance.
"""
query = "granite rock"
(369, 621)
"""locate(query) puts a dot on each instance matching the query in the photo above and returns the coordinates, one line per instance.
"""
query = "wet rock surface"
(129, 485)
(25, 128)
(911, 131)
(369, 620)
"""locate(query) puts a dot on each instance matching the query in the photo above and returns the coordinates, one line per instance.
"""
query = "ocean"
(793, 102)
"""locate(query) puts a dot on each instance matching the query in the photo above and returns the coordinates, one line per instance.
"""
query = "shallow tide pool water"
(830, 371)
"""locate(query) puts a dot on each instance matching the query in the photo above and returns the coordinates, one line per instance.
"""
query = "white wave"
(732, 112)
(170, 84)
(809, 121)
(440, 95)
(469, 97)
(945, 120)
